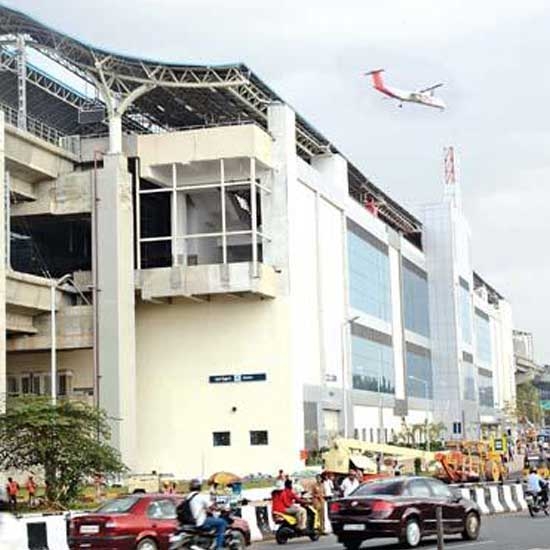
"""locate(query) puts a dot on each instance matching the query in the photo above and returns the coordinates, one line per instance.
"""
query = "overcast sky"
(491, 55)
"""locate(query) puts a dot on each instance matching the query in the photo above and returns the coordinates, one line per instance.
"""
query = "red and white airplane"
(423, 97)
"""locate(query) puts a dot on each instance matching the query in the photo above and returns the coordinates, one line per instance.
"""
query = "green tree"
(68, 441)
(528, 403)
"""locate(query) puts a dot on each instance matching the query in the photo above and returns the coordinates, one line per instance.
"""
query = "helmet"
(195, 485)
(279, 485)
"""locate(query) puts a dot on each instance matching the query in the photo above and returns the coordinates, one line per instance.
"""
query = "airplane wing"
(431, 88)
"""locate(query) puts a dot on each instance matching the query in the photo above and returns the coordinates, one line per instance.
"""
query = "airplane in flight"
(422, 97)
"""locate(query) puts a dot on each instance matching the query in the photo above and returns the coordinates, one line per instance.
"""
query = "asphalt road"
(506, 532)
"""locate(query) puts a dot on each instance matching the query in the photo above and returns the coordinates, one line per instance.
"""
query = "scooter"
(191, 537)
(288, 526)
(538, 503)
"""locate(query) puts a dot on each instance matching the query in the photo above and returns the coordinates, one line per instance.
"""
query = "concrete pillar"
(334, 173)
(115, 134)
(398, 334)
(282, 221)
(278, 205)
(116, 307)
(3, 262)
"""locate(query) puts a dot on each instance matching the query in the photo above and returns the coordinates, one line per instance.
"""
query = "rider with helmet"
(199, 506)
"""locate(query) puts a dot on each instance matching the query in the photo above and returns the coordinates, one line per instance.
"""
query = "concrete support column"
(276, 215)
(3, 264)
(398, 330)
(281, 219)
(115, 134)
(334, 173)
(116, 307)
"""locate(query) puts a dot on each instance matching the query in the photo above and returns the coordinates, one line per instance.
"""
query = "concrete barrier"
(505, 493)
(520, 496)
(478, 496)
(40, 531)
(495, 498)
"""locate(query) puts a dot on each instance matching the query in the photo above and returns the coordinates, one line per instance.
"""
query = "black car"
(402, 508)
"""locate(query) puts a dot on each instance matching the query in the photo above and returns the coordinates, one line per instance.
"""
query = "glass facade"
(415, 297)
(483, 337)
(372, 360)
(419, 372)
(369, 273)
(469, 377)
(465, 311)
(486, 392)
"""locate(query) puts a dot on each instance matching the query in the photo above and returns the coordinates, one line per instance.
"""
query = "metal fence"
(40, 129)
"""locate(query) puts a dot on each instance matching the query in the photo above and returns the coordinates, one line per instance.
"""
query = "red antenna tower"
(450, 178)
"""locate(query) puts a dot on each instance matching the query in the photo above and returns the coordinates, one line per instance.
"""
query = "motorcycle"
(194, 538)
(288, 526)
(538, 503)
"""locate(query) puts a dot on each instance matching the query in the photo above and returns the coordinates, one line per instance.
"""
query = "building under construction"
(183, 249)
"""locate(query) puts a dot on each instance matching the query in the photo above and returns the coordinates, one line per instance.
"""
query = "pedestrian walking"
(318, 501)
(31, 490)
(12, 489)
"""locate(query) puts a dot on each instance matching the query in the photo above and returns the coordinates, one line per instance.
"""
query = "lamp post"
(345, 326)
(427, 397)
(55, 284)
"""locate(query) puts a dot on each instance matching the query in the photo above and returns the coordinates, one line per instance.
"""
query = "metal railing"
(39, 129)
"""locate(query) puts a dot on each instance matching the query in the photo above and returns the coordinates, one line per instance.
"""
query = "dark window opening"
(51, 245)
(221, 439)
(258, 437)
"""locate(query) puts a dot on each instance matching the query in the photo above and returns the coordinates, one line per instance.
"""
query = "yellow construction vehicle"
(372, 458)
(474, 460)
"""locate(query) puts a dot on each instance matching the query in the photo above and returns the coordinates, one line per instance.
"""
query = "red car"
(133, 522)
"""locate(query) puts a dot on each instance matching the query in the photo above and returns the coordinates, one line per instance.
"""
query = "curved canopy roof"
(179, 96)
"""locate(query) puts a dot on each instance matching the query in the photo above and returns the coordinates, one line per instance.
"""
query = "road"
(506, 532)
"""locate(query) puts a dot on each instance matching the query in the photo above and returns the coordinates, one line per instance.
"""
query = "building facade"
(239, 291)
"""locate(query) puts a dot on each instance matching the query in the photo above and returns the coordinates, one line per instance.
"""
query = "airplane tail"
(377, 81)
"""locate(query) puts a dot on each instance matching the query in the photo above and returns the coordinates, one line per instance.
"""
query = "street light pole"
(55, 284)
(345, 325)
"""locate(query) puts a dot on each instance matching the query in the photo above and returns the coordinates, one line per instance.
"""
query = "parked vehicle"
(402, 508)
(189, 536)
(135, 522)
(288, 526)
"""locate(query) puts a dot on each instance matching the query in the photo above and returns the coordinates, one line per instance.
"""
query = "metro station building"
(237, 290)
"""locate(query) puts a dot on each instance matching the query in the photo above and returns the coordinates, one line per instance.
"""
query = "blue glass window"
(419, 372)
(465, 312)
(372, 360)
(415, 297)
(486, 392)
(369, 273)
(469, 377)
(483, 337)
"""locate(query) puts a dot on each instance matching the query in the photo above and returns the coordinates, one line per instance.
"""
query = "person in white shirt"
(328, 486)
(349, 484)
(200, 505)
(534, 482)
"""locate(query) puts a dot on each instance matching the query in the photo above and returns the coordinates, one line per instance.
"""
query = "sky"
(491, 55)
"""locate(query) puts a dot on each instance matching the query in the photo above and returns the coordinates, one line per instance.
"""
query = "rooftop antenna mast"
(452, 186)
(450, 177)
